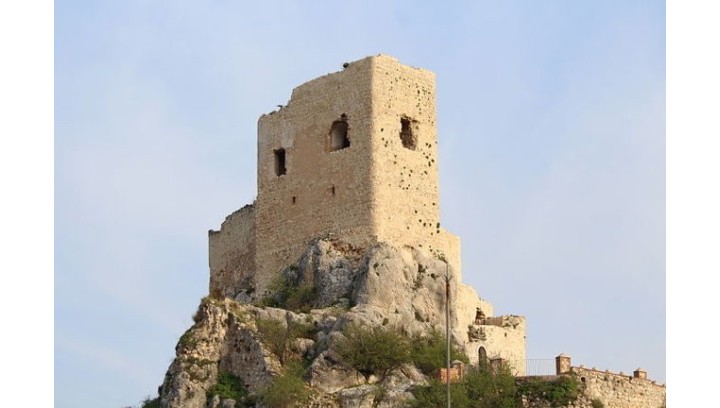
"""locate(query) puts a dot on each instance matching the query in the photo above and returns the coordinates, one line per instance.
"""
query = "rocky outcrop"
(400, 286)
(404, 287)
(225, 338)
(331, 286)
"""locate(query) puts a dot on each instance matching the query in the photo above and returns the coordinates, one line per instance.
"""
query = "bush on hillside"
(429, 353)
(287, 389)
(373, 350)
(228, 386)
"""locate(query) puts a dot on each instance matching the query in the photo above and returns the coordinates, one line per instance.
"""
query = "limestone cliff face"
(226, 338)
(383, 285)
(223, 337)
(405, 287)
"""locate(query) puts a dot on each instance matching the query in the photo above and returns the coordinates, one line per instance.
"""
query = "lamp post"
(447, 332)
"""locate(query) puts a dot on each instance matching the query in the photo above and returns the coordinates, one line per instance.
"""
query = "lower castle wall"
(236, 261)
(232, 252)
(506, 341)
(619, 391)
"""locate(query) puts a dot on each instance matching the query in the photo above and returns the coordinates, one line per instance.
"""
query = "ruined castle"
(353, 157)
(354, 153)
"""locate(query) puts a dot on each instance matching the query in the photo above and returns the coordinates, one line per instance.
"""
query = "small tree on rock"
(372, 350)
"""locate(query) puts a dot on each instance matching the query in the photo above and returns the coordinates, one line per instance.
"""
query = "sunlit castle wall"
(353, 154)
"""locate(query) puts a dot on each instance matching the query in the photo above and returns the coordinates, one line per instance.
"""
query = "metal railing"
(535, 366)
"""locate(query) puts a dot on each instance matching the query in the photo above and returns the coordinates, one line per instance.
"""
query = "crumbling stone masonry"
(354, 154)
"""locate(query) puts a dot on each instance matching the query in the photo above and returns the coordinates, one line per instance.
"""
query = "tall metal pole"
(447, 332)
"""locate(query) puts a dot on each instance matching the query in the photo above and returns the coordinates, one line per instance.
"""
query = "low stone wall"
(604, 388)
(619, 390)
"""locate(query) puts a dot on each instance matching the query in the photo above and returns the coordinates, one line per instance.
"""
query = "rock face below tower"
(402, 288)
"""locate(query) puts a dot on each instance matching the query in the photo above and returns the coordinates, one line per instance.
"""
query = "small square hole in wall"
(332, 190)
(339, 134)
(280, 168)
(408, 135)
(294, 199)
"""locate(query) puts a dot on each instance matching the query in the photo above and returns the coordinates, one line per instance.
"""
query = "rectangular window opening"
(280, 168)
(407, 133)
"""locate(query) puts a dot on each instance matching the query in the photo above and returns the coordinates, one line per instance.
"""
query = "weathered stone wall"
(323, 190)
(232, 253)
(506, 340)
(381, 184)
(618, 390)
(501, 337)
(405, 166)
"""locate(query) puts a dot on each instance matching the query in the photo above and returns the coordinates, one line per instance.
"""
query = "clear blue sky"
(551, 127)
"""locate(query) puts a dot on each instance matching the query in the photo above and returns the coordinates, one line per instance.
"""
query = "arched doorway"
(482, 357)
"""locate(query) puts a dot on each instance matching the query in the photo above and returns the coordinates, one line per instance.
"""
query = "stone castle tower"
(353, 154)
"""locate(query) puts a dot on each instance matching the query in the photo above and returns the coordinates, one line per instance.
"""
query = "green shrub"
(490, 389)
(429, 353)
(479, 389)
(276, 292)
(278, 336)
(287, 389)
(596, 403)
(558, 392)
(301, 298)
(435, 395)
(302, 330)
(370, 350)
(274, 335)
(228, 386)
(287, 294)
